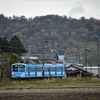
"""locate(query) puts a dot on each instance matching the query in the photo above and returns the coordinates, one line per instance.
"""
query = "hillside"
(62, 33)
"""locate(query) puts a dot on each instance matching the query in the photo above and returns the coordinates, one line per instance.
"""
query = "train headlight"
(13, 74)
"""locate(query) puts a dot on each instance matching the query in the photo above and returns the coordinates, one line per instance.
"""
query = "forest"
(67, 35)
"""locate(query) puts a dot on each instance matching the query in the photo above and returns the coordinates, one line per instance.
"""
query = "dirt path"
(67, 90)
(51, 94)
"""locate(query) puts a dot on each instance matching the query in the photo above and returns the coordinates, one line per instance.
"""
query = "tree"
(16, 45)
(3, 66)
(4, 44)
(13, 58)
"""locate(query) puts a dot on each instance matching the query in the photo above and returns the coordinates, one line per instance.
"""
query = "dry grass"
(51, 83)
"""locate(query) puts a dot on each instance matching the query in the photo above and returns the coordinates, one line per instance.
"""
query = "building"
(61, 58)
(93, 69)
(40, 57)
(76, 72)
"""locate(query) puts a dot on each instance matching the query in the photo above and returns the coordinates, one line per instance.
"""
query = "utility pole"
(43, 63)
(86, 59)
(43, 58)
(55, 44)
(86, 56)
(79, 53)
(98, 60)
(29, 52)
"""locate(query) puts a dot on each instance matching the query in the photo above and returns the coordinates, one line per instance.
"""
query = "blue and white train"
(21, 70)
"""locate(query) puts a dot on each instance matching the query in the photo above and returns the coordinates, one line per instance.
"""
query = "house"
(46, 56)
(40, 57)
(76, 72)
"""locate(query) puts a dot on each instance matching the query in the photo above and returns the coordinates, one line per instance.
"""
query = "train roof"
(19, 63)
(35, 64)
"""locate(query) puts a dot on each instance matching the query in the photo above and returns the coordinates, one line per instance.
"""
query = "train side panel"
(19, 70)
(34, 71)
(54, 70)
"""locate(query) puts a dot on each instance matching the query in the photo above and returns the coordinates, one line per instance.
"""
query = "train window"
(32, 69)
(15, 68)
(52, 69)
(21, 68)
(58, 69)
(39, 69)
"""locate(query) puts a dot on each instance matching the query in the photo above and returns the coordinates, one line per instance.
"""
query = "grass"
(51, 83)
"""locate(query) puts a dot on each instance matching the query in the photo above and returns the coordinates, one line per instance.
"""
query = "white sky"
(32, 8)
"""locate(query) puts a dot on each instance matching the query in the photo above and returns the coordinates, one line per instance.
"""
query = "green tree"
(4, 45)
(16, 45)
(13, 58)
(3, 66)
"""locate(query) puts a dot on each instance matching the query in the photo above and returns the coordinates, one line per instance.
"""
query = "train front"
(18, 70)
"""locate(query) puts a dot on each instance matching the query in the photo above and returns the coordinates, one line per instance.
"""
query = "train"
(21, 70)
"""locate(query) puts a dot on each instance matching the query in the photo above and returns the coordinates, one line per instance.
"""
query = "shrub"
(50, 81)
(38, 82)
(21, 82)
(50, 77)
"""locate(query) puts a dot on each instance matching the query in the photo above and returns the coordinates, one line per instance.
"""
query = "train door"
(35, 71)
(28, 71)
(55, 71)
(52, 71)
(47, 71)
(61, 70)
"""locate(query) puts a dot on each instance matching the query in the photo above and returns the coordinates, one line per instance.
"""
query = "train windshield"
(21, 68)
(15, 68)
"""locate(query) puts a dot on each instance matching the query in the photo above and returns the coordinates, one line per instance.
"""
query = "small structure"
(40, 57)
(61, 58)
(93, 69)
(76, 72)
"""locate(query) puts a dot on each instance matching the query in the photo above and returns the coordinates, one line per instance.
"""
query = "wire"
(9, 46)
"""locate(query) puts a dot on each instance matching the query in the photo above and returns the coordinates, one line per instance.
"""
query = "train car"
(21, 70)
(34, 71)
(54, 70)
